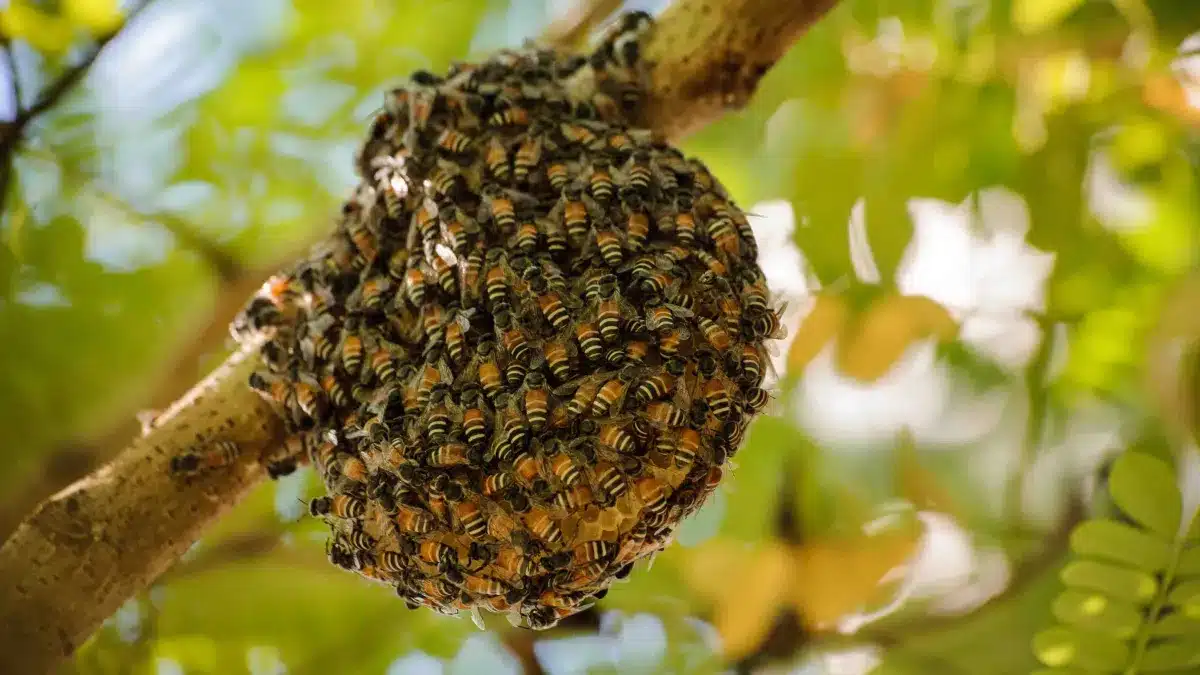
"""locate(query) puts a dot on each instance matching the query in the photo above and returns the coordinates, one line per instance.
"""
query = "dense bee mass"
(531, 345)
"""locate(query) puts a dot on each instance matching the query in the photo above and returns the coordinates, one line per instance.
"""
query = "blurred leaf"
(1144, 488)
(1095, 612)
(98, 17)
(881, 335)
(45, 32)
(1118, 582)
(826, 319)
(1031, 16)
(1085, 649)
(1111, 540)
(917, 484)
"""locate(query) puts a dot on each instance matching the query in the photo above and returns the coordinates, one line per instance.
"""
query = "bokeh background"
(982, 216)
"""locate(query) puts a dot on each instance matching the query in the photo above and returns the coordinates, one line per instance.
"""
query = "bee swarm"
(530, 346)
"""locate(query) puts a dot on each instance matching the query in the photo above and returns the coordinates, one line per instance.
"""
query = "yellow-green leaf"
(1118, 542)
(1030, 16)
(1094, 611)
(1119, 583)
(1062, 646)
(98, 17)
(1171, 656)
(1144, 488)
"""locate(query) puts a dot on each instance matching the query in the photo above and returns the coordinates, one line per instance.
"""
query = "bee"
(565, 469)
(655, 284)
(582, 399)
(425, 219)
(600, 182)
(472, 271)
(415, 285)
(496, 285)
(341, 556)
(614, 436)
(636, 351)
(483, 585)
(589, 340)
(496, 159)
(321, 347)
(455, 231)
(715, 266)
(721, 231)
(456, 337)
(610, 247)
(444, 272)
(415, 521)
(512, 338)
(431, 377)
(716, 395)
(757, 399)
(528, 156)
(578, 134)
(536, 401)
(662, 317)
(558, 176)
(514, 432)
(363, 240)
(526, 239)
(661, 384)
(511, 117)
(610, 480)
(685, 229)
(373, 292)
(543, 526)
(488, 371)
(359, 540)
(322, 455)
(765, 324)
(608, 318)
(653, 495)
(392, 561)
(575, 215)
(434, 552)
(433, 320)
(556, 241)
(552, 307)
(611, 396)
(470, 519)
(475, 426)
(661, 412)
(215, 456)
(683, 445)
(310, 399)
(714, 334)
(620, 143)
(526, 467)
(453, 141)
(497, 482)
(637, 230)
(437, 417)
(381, 364)
(573, 499)
(590, 552)
(558, 359)
(353, 468)
(501, 208)
(671, 342)
(338, 506)
(445, 181)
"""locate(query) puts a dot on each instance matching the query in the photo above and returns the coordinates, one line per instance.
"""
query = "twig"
(107, 537)
(90, 547)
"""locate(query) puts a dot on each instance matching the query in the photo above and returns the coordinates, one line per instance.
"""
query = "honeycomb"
(531, 345)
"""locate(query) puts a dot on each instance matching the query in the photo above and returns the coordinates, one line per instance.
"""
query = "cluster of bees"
(531, 345)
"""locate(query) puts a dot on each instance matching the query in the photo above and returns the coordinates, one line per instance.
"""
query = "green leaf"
(1116, 582)
(1170, 656)
(1118, 542)
(1096, 612)
(1189, 561)
(1031, 16)
(1061, 646)
(1145, 489)
(1175, 624)
(1186, 597)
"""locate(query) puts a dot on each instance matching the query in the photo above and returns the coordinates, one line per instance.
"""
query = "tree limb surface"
(86, 550)
(98, 542)
(707, 56)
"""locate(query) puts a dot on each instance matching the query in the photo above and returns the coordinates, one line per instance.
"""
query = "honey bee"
(415, 521)
(575, 216)
(577, 134)
(359, 540)
(638, 172)
(610, 480)
(353, 468)
(685, 229)
(659, 385)
(433, 320)
(363, 240)
(683, 445)
(558, 359)
(483, 585)
(716, 395)
(557, 175)
(445, 181)
(589, 341)
(415, 284)
(610, 247)
(470, 519)
(757, 399)
(714, 334)
(338, 506)
(715, 266)
(511, 117)
(637, 230)
(620, 143)
(583, 397)
(611, 396)
(614, 436)
(475, 425)
(456, 337)
(425, 220)
(472, 272)
(455, 231)
(488, 370)
(215, 456)
(526, 239)
(432, 376)
(381, 364)
(543, 526)
(453, 141)
(600, 182)
(573, 499)
(392, 561)
(536, 401)
(653, 495)
(496, 284)
(495, 483)
(437, 417)
(565, 469)
(434, 552)
(528, 156)
(512, 338)
(500, 208)
(526, 467)
(589, 552)
(661, 412)
(310, 399)
(514, 432)
(512, 564)
(496, 159)
(721, 231)
(320, 347)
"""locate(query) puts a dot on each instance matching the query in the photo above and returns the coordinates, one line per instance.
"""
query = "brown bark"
(90, 547)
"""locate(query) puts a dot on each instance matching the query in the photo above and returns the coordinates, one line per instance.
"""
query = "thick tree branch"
(709, 55)
(90, 547)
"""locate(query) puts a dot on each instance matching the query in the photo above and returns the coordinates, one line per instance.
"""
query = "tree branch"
(90, 547)
(100, 541)
(709, 55)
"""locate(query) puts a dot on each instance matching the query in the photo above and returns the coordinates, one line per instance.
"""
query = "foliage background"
(1028, 165)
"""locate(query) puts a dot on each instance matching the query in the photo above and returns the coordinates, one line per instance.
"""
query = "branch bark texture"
(89, 548)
